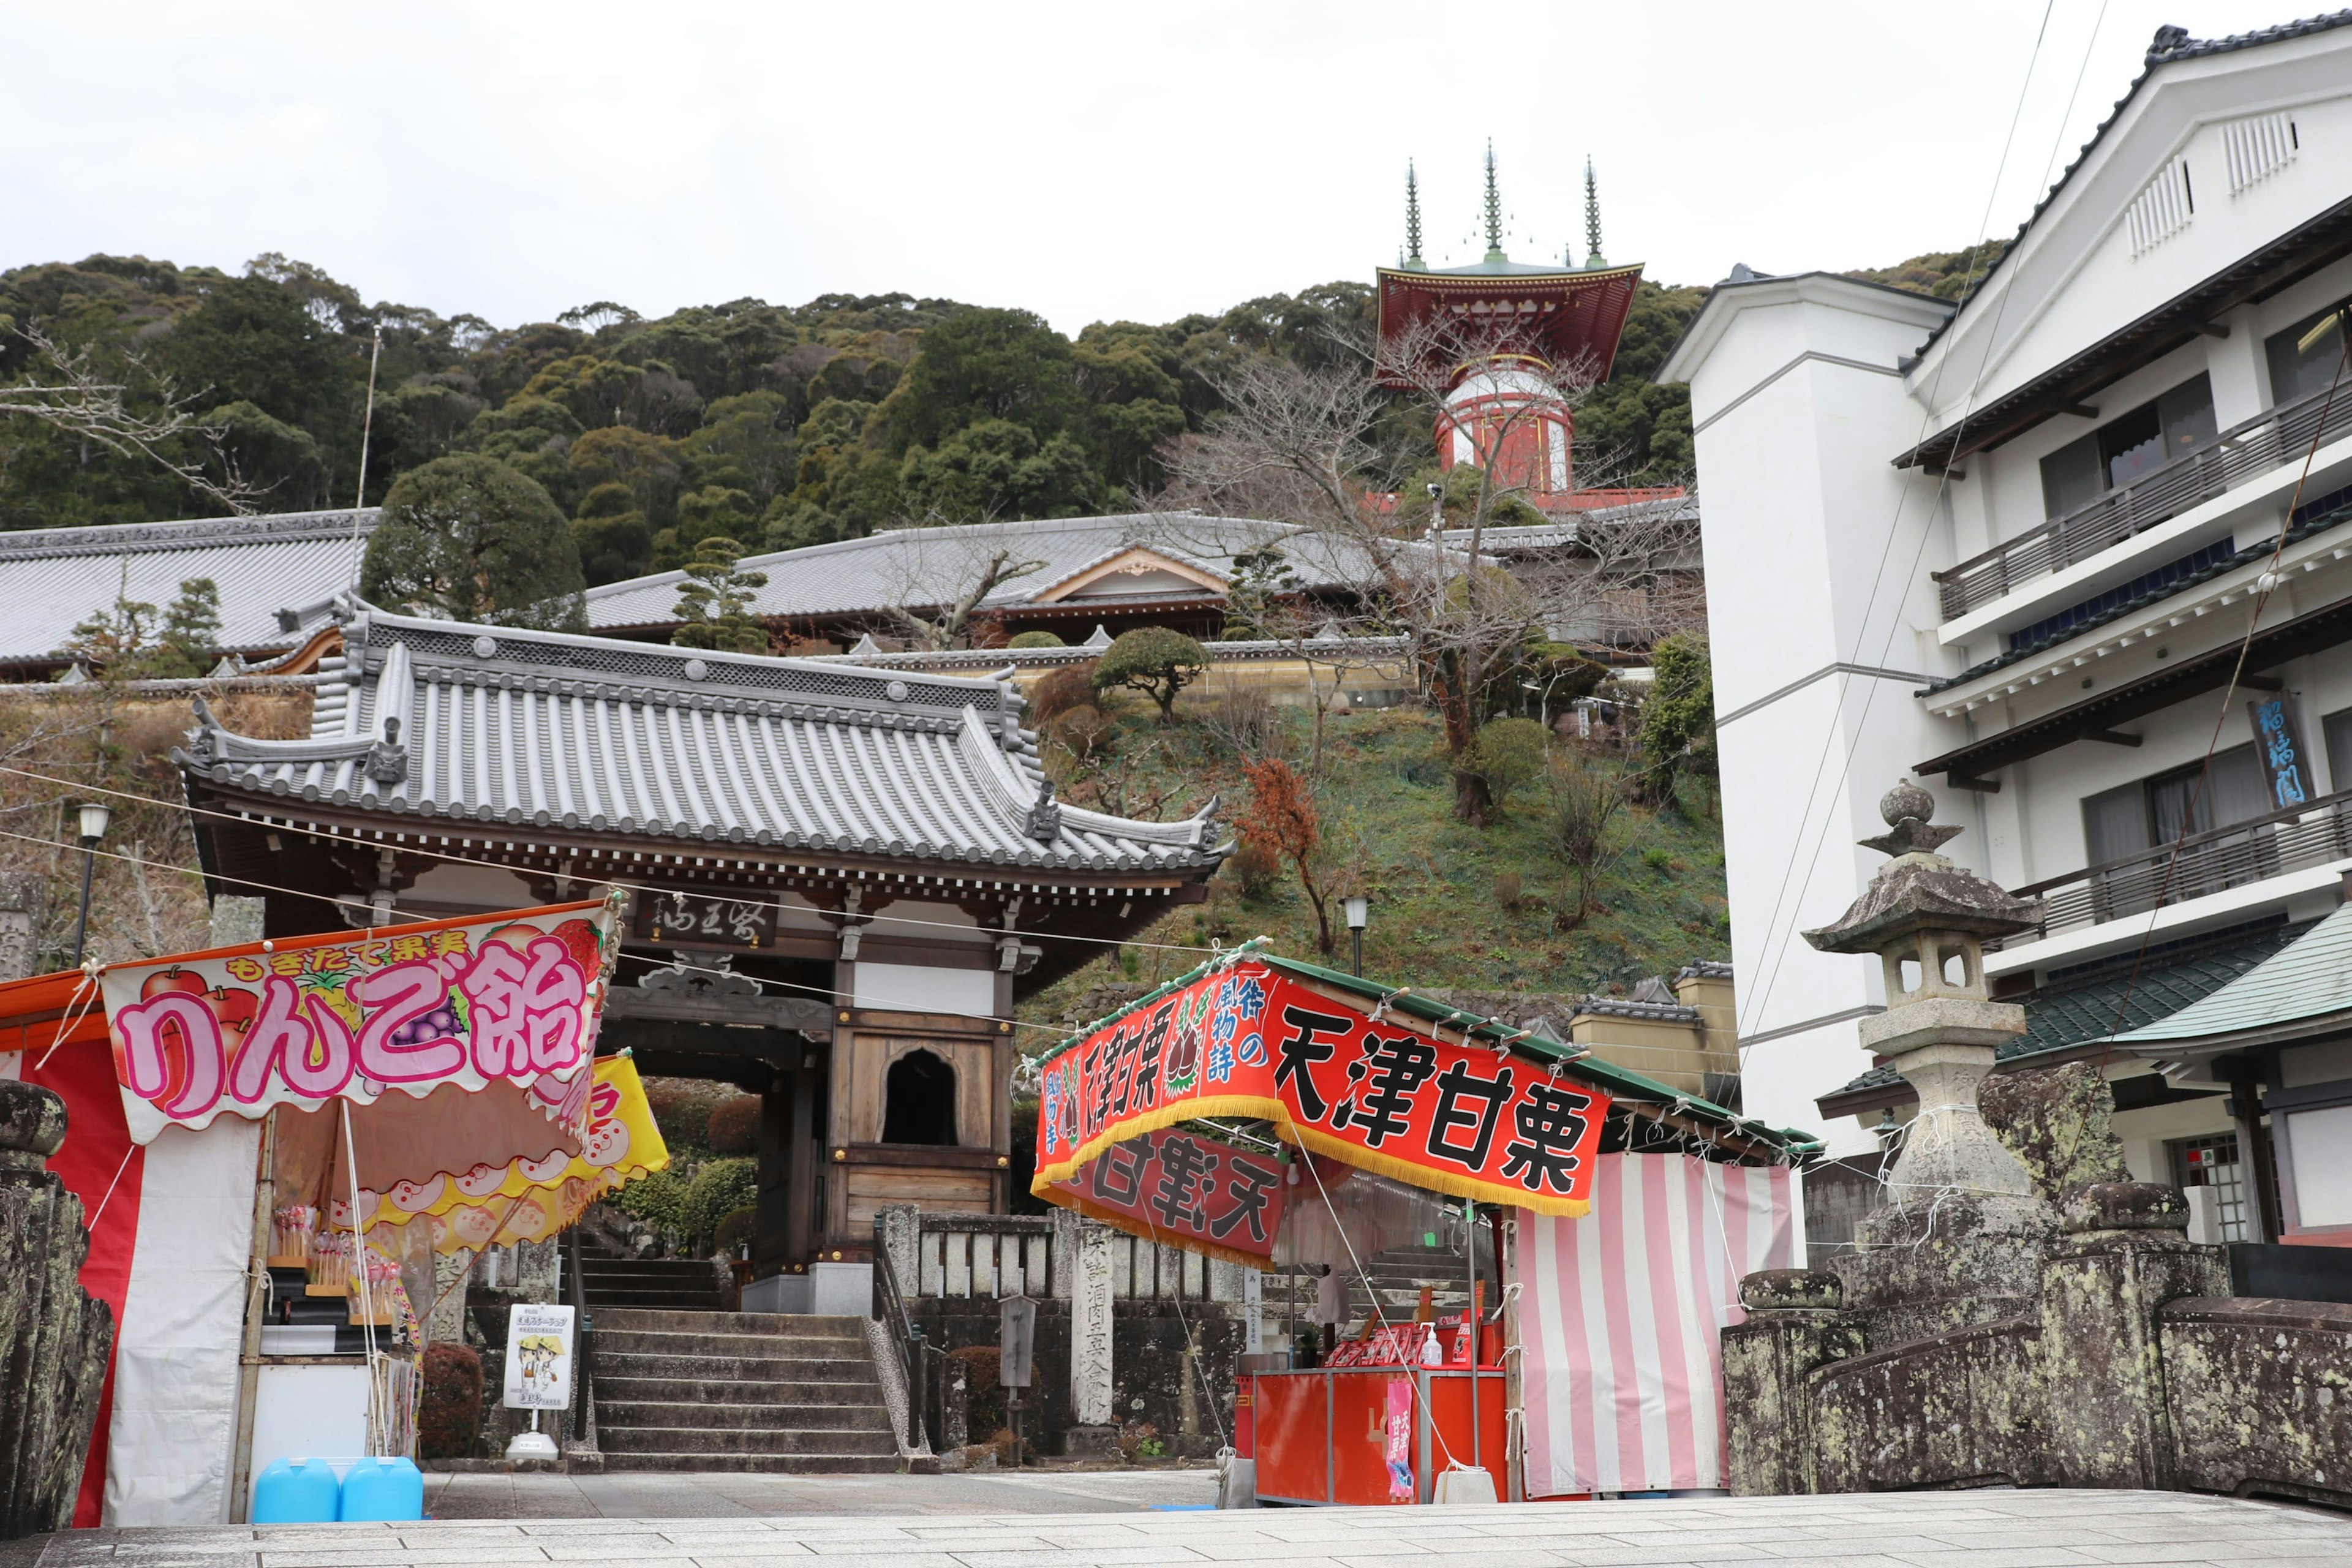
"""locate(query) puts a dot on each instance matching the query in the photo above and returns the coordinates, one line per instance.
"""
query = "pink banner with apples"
(512, 999)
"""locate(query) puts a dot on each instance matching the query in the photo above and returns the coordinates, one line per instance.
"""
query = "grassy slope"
(1435, 919)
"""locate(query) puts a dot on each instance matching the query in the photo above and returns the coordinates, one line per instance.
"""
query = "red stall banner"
(1245, 1040)
(1174, 1187)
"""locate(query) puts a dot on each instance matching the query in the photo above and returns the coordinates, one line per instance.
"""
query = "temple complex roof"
(439, 722)
(52, 578)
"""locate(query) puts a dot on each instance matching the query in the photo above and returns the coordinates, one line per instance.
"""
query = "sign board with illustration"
(539, 1357)
(304, 1021)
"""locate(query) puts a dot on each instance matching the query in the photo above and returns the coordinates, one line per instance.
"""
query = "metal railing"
(907, 1342)
(584, 1366)
(2295, 839)
(2271, 439)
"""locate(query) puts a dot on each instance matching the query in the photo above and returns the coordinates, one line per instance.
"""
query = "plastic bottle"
(383, 1489)
(295, 1491)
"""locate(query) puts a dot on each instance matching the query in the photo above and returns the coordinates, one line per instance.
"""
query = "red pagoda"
(1502, 341)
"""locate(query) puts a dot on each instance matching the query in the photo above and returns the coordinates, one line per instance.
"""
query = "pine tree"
(715, 601)
(190, 639)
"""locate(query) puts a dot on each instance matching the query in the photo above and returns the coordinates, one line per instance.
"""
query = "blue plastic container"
(383, 1489)
(295, 1491)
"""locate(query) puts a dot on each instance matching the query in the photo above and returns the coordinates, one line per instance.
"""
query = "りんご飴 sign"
(1248, 1040)
(307, 1020)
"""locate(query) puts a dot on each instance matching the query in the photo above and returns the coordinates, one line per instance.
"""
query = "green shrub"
(659, 1200)
(737, 1228)
(1506, 754)
(719, 1188)
(450, 1406)
(1036, 639)
(1657, 860)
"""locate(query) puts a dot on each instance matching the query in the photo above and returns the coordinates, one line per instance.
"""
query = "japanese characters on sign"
(1176, 1187)
(1246, 1040)
(305, 1020)
(700, 919)
(2278, 744)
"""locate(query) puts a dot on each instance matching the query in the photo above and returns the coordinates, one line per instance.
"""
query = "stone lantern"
(1957, 1201)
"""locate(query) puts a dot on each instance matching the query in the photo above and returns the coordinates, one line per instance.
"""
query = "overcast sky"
(1088, 162)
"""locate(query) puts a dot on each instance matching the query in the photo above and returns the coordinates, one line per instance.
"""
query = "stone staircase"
(1399, 1273)
(667, 1284)
(700, 1389)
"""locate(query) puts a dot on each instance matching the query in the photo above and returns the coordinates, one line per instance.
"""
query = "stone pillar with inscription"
(1090, 1342)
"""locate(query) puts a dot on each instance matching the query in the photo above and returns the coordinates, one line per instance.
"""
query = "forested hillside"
(774, 425)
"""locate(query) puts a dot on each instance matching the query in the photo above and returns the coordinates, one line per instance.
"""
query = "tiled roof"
(2170, 44)
(2260, 551)
(52, 578)
(503, 725)
(919, 567)
(2309, 978)
(2095, 1006)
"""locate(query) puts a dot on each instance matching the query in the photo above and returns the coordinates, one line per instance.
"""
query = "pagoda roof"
(1572, 316)
(497, 725)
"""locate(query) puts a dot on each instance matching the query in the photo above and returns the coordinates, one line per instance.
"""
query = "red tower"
(1502, 342)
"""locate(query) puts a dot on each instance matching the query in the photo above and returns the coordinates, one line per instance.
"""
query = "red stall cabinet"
(1322, 1436)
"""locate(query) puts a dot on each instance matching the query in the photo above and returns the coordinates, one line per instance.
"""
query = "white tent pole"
(358, 1265)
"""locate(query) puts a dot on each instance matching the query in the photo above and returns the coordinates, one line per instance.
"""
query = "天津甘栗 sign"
(307, 1020)
(1248, 1041)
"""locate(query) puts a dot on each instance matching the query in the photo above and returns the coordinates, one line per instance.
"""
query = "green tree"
(1678, 717)
(1155, 660)
(713, 510)
(1506, 754)
(998, 468)
(614, 540)
(1036, 639)
(985, 364)
(745, 443)
(282, 460)
(110, 641)
(469, 539)
(187, 644)
(621, 454)
(714, 602)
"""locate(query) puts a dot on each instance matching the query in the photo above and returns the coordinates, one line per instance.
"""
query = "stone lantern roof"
(1919, 890)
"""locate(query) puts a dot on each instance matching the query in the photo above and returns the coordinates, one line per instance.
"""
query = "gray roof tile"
(526, 728)
(51, 578)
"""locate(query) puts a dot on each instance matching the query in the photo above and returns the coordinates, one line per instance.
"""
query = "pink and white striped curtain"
(1620, 1313)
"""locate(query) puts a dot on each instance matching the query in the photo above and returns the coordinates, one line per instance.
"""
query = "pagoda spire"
(1593, 258)
(1412, 221)
(1493, 211)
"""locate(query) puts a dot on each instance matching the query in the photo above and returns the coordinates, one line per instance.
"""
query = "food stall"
(271, 1143)
(1276, 1113)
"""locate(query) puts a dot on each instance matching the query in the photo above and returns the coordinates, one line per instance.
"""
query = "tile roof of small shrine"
(497, 725)
(51, 578)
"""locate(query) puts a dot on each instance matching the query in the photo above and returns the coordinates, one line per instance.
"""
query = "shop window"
(919, 1101)
(2212, 1161)
(2304, 357)
(2127, 447)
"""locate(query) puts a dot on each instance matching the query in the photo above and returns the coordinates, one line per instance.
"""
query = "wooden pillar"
(772, 1242)
(805, 1224)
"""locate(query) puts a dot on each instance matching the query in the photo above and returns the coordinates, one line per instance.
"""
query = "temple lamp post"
(95, 815)
(1358, 913)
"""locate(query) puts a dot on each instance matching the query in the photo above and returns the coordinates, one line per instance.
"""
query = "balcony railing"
(2292, 840)
(2271, 439)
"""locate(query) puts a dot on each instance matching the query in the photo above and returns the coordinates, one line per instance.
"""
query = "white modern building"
(2013, 549)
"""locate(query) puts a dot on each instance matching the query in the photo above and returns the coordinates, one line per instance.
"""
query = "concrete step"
(758, 1464)
(634, 1415)
(847, 1386)
(654, 1299)
(798, 1324)
(756, 1368)
(681, 1341)
(745, 1440)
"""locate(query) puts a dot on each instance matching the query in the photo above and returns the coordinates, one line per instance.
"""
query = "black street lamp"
(95, 815)
(1358, 913)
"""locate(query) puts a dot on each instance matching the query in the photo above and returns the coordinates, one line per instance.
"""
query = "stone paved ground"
(1912, 1530)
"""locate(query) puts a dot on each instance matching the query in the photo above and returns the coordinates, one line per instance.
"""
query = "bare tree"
(941, 578)
(1299, 444)
(71, 396)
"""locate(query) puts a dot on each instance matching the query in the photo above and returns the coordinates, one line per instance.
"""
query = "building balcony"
(2275, 439)
(2264, 860)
